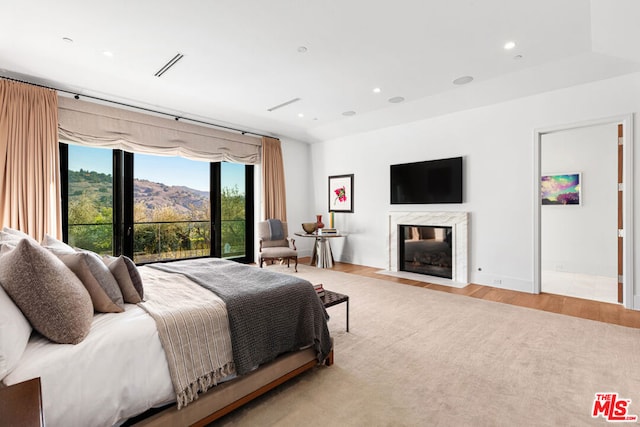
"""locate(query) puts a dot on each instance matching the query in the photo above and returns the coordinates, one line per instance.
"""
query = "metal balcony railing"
(163, 240)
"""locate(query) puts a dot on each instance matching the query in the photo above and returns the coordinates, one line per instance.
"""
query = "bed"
(269, 330)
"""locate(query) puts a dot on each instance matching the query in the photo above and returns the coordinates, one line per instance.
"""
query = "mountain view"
(97, 187)
(169, 221)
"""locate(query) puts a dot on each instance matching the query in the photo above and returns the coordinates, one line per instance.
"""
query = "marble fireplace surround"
(458, 221)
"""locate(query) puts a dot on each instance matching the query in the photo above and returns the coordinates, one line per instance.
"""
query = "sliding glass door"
(171, 208)
(90, 199)
(154, 208)
(233, 209)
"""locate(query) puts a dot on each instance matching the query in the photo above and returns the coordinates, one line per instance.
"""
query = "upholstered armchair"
(275, 243)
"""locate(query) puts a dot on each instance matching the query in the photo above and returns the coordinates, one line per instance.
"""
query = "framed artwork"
(341, 193)
(561, 189)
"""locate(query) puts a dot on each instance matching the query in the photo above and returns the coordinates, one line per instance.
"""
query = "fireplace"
(425, 249)
(456, 222)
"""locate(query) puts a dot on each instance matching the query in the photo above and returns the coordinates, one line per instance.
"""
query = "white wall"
(582, 239)
(300, 190)
(497, 144)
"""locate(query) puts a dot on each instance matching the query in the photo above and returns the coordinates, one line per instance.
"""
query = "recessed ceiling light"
(463, 80)
(509, 45)
(349, 113)
(300, 115)
(376, 90)
(396, 99)
(107, 53)
(302, 49)
(67, 39)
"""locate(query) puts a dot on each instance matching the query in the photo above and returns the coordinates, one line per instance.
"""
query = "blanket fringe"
(202, 384)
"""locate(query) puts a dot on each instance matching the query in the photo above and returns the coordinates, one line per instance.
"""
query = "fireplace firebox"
(425, 249)
(459, 223)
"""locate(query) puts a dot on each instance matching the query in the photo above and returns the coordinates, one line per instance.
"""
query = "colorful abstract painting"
(561, 189)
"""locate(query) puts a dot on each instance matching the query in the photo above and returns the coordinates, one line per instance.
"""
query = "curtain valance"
(99, 125)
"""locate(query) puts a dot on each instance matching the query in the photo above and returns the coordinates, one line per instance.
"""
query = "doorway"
(577, 250)
(579, 212)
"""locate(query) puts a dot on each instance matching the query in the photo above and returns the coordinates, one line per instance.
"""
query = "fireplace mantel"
(458, 221)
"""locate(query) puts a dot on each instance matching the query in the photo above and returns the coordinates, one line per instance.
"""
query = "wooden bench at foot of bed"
(224, 398)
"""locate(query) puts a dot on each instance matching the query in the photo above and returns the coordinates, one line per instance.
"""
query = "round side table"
(322, 256)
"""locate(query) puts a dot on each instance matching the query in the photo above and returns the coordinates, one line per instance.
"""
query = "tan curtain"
(274, 197)
(29, 159)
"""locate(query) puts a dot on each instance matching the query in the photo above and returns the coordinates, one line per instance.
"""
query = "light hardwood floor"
(586, 309)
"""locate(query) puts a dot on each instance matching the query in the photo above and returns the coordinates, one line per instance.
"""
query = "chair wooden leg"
(296, 264)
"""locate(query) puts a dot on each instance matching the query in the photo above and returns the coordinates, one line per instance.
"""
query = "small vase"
(319, 222)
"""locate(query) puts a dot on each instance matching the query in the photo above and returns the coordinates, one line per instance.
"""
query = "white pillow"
(56, 245)
(15, 330)
(17, 233)
(11, 237)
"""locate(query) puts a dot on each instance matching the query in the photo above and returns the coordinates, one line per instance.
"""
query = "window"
(90, 199)
(156, 208)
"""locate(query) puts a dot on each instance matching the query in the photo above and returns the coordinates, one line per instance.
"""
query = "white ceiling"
(241, 57)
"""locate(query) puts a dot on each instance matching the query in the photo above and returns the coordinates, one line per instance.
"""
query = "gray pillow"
(51, 297)
(136, 279)
(120, 271)
(102, 274)
(98, 269)
(101, 301)
(134, 274)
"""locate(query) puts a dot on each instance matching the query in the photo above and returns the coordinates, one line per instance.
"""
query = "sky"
(165, 170)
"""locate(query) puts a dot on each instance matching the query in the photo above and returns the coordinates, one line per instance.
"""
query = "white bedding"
(118, 371)
(90, 376)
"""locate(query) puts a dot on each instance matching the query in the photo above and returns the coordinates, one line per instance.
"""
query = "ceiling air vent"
(169, 64)
(284, 104)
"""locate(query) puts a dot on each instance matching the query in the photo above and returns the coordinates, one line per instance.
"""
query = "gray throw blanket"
(269, 313)
(275, 229)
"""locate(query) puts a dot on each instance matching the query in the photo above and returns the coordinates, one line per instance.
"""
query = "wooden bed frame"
(224, 398)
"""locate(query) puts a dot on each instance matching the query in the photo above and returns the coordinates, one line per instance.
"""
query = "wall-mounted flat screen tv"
(428, 182)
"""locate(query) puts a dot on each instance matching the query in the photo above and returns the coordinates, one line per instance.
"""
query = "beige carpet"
(417, 357)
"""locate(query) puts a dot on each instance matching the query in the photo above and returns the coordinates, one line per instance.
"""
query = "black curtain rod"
(77, 96)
